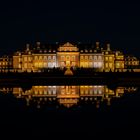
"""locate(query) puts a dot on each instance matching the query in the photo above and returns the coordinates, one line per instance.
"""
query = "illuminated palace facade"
(68, 95)
(68, 55)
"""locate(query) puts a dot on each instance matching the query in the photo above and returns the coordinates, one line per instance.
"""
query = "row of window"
(91, 92)
(92, 64)
(40, 65)
(39, 58)
(91, 57)
(109, 58)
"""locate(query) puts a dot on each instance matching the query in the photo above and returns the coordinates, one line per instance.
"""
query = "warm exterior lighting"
(69, 55)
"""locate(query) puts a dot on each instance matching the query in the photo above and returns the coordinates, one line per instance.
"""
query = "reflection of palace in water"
(69, 95)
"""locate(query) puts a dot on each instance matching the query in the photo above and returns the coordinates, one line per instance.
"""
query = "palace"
(68, 55)
(69, 96)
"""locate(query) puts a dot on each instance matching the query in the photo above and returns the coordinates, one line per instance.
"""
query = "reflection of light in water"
(69, 95)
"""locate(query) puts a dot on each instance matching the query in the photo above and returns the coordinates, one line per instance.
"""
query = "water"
(90, 109)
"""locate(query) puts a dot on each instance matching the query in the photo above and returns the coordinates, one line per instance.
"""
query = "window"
(54, 57)
(40, 64)
(106, 65)
(110, 58)
(25, 65)
(62, 64)
(100, 64)
(90, 57)
(45, 64)
(67, 58)
(86, 64)
(81, 57)
(95, 65)
(30, 59)
(49, 57)
(95, 57)
(86, 57)
(73, 64)
(40, 57)
(110, 65)
(106, 58)
(50, 65)
(100, 57)
(100, 91)
(36, 57)
(19, 60)
(62, 58)
(73, 58)
(117, 65)
(36, 64)
(45, 57)
(90, 64)
(25, 58)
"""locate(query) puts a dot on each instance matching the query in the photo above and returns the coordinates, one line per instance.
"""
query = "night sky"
(70, 20)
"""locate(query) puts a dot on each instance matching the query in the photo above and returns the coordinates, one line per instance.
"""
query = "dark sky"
(70, 20)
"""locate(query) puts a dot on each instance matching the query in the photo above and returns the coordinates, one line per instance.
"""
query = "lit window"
(36, 57)
(100, 57)
(30, 58)
(54, 57)
(73, 58)
(50, 65)
(54, 92)
(95, 91)
(106, 58)
(40, 57)
(62, 64)
(110, 65)
(100, 91)
(95, 65)
(110, 58)
(86, 64)
(49, 57)
(117, 65)
(100, 64)
(25, 65)
(90, 64)
(90, 57)
(25, 58)
(67, 58)
(95, 57)
(40, 64)
(86, 57)
(62, 58)
(36, 64)
(73, 64)
(81, 57)
(106, 65)
(45, 57)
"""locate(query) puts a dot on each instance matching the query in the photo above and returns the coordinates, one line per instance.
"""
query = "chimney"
(38, 45)
(97, 44)
(108, 47)
(27, 47)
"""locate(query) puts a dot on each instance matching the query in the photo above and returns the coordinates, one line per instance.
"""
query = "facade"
(92, 58)
(69, 95)
(131, 62)
(6, 63)
(68, 55)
